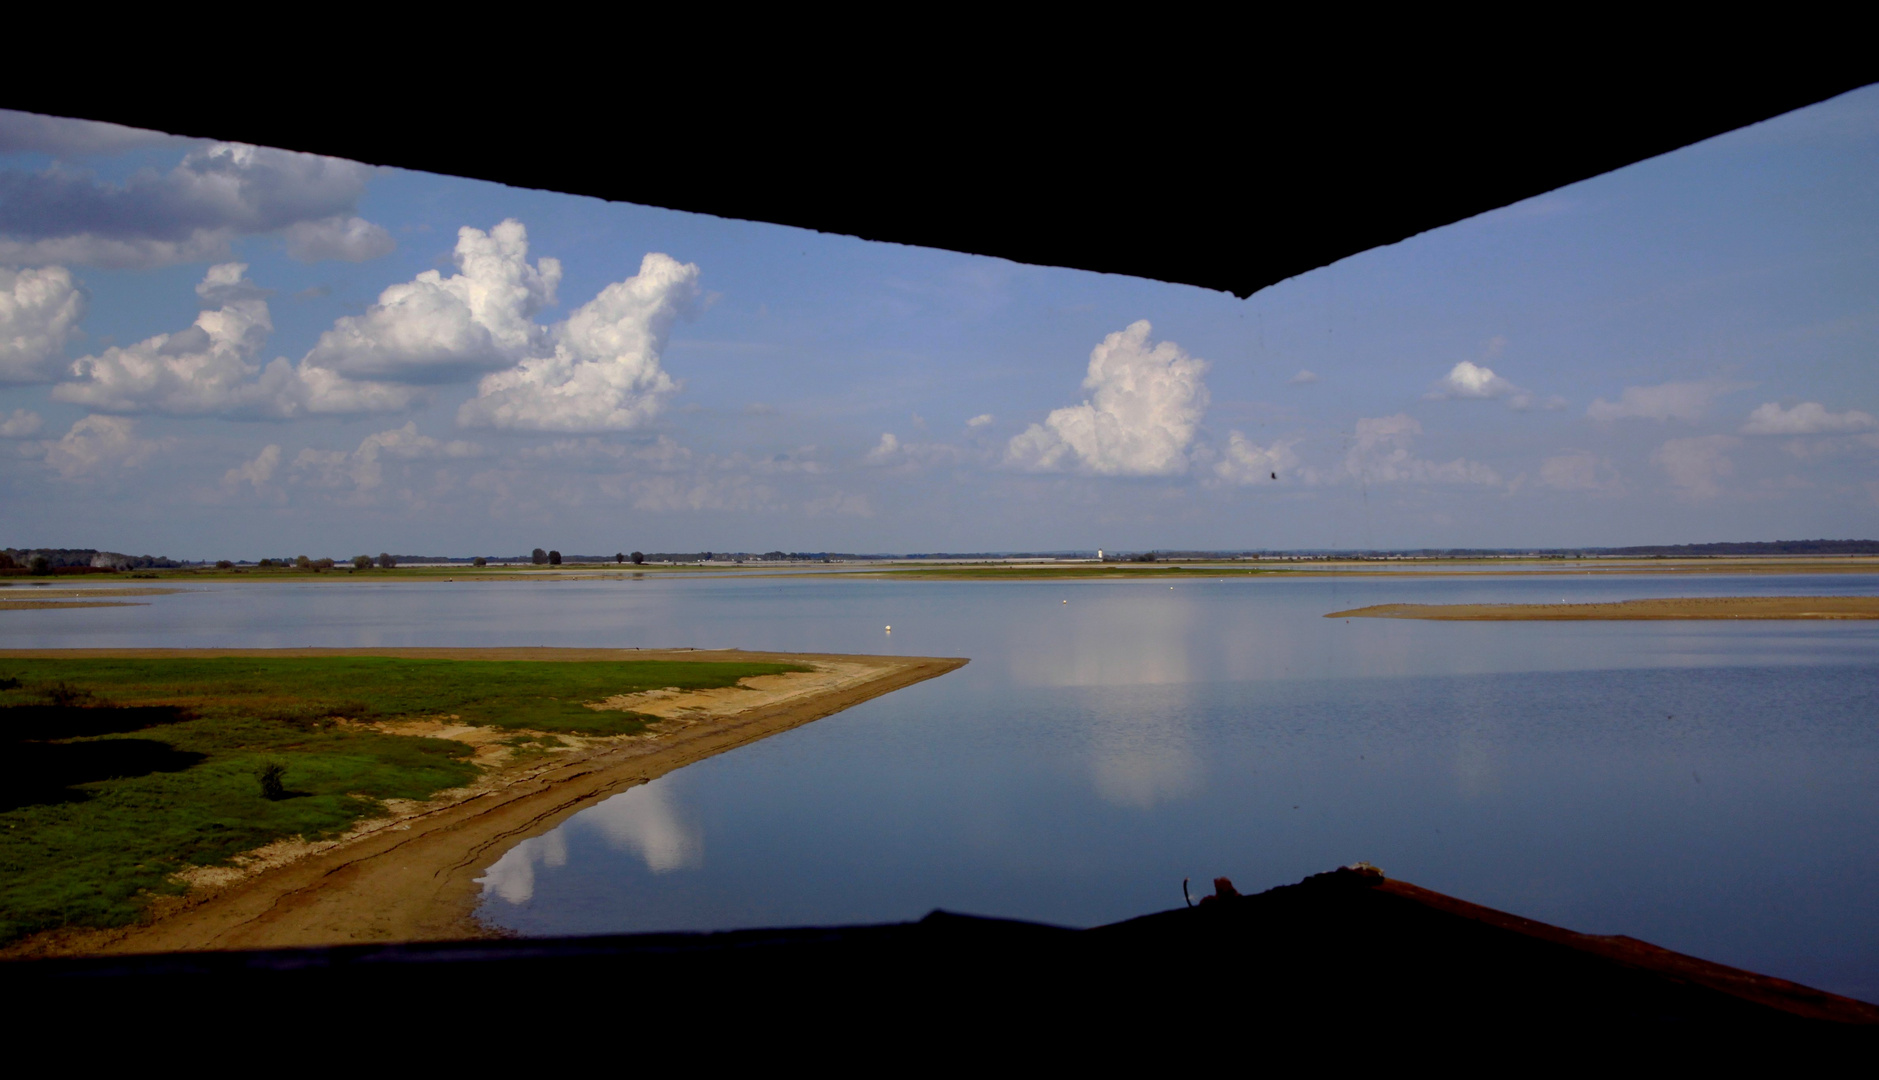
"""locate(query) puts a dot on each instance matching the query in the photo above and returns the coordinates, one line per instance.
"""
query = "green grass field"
(114, 774)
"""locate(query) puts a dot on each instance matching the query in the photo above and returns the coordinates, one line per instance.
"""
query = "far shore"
(1687, 608)
(413, 875)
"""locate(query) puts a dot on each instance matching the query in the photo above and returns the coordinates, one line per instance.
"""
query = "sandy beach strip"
(412, 875)
(1686, 608)
(41, 598)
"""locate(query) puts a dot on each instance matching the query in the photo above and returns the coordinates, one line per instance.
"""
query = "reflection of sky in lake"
(1712, 787)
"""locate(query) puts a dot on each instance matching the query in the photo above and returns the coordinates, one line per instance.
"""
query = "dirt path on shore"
(1706, 607)
(412, 876)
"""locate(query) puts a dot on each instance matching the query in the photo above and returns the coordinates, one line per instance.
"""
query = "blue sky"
(214, 351)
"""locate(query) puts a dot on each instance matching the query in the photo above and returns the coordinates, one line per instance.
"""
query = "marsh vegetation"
(117, 773)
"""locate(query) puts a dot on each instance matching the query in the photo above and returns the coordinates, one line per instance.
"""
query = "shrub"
(639, 557)
(538, 557)
(322, 564)
(224, 564)
(271, 775)
(554, 558)
(301, 562)
(40, 565)
(479, 561)
(387, 561)
(361, 562)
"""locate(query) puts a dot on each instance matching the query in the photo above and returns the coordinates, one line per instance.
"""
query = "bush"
(386, 560)
(361, 562)
(554, 558)
(322, 564)
(224, 564)
(271, 775)
(40, 565)
(301, 562)
(639, 557)
(479, 561)
(538, 557)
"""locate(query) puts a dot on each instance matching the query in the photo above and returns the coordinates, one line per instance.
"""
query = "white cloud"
(257, 472)
(434, 328)
(98, 446)
(64, 137)
(1807, 418)
(1303, 378)
(980, 420)
(23, 424)
(1670, 401)
(884, 451)
(1144, 406)
(1380, 455)
(364, 468)
(1470, 380)
(214, 367)
(192, 212)
(1697, 466)
(604, 373)
(1246, 462)
(341, 237)
(39, 310)
(1578, 470)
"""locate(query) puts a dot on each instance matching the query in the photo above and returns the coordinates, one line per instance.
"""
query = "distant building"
(1099, 554)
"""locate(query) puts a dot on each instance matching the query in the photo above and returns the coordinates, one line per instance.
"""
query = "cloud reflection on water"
(643, 821)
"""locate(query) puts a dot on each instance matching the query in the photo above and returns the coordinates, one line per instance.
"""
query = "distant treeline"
(57, 558)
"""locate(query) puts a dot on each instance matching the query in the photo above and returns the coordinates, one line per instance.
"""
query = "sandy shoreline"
(411, 876)
(1684, 608)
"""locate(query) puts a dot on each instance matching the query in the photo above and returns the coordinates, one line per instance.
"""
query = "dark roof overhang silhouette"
(1232, 163)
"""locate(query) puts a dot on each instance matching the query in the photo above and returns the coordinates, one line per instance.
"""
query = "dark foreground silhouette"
(1346, 954)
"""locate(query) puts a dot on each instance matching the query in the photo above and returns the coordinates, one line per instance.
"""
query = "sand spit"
(36, 605)
(1708, 607)
(41, 598)
(411, 876)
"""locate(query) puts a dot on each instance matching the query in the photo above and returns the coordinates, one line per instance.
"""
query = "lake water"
(1712, 787)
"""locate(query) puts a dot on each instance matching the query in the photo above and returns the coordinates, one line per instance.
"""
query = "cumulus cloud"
(979, 421)
(1685, 401)
(1697, 466)
(1144, 407)
(1303, 378)
(604, 372)
(98, 446)
(1246, 462)
(39, 311)
(257, 472)
(64, 137)
(192, 212)
(23, 424)
(364, 468)
(1807, 418)
(436, 328)
(214, 367)
(1468, 380)
(1578, 470)
(1380, 454)
(340, 238)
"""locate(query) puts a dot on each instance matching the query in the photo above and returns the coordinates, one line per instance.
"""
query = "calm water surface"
(1711, 787)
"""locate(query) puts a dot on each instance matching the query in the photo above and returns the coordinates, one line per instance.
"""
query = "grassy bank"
(117, 773)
